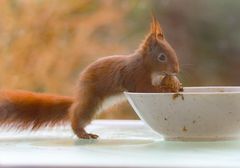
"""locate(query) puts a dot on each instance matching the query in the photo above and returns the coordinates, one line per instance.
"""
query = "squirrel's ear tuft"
(156, 28)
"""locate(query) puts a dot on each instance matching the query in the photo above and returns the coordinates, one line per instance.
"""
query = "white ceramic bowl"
(199, 114)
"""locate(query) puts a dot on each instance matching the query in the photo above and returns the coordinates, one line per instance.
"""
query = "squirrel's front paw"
(82, 134)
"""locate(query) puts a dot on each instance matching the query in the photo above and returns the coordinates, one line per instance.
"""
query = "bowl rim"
(194, 92)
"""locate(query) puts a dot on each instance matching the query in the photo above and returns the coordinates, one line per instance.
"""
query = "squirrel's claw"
(82, 134)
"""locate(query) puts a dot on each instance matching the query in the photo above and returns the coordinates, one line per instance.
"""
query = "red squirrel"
(106, 77)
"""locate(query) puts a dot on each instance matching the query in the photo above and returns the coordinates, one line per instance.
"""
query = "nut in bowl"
(198, 114)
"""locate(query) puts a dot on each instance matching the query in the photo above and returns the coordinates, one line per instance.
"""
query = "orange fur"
(23, 109)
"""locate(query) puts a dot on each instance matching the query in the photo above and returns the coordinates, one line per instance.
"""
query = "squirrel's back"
(23, 109)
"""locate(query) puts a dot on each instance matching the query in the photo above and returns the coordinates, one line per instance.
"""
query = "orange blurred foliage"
(45, 44)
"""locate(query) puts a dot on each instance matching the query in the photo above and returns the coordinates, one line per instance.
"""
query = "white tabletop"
(121, 144)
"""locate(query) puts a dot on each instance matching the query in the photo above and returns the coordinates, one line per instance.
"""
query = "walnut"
(171, 83)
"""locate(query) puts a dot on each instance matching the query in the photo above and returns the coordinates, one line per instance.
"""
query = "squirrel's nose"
(176, 69)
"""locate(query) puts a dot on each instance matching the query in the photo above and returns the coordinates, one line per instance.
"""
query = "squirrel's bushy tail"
(28, 110)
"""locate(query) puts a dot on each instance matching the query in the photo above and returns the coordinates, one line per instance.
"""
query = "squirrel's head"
(157, 53)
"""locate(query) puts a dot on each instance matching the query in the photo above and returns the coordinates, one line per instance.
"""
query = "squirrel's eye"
(162, 57)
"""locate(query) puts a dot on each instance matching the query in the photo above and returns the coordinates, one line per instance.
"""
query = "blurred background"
(44, 44)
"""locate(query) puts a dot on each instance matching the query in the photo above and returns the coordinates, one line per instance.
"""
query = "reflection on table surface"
(121, 143)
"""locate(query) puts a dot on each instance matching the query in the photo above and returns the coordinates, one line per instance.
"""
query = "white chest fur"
(156, 78)
(110, 101)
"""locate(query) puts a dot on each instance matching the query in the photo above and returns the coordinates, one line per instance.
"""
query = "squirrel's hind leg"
(81, 113)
